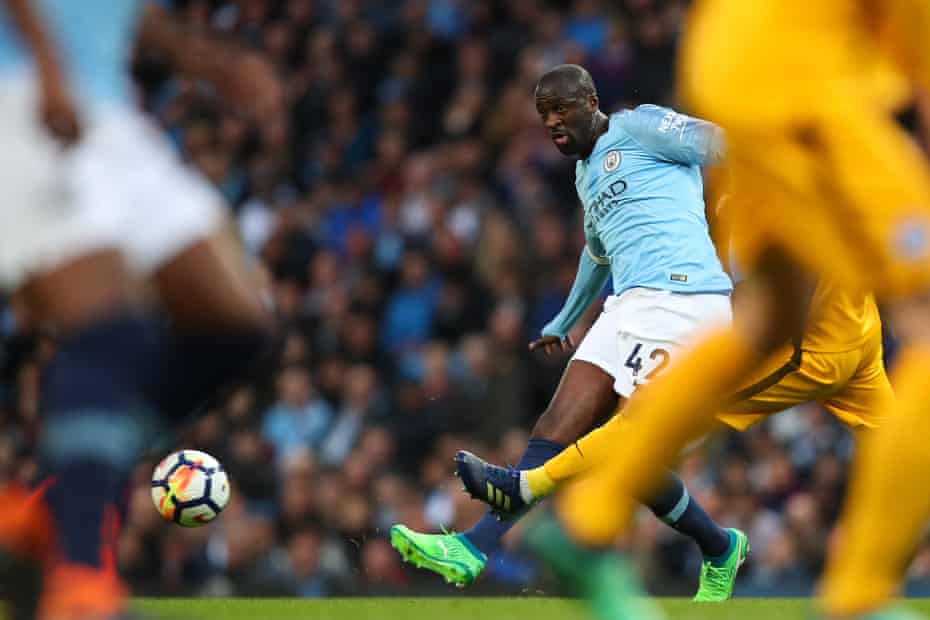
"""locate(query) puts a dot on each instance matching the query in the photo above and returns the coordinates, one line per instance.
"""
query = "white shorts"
(122, 186)
(641, 331)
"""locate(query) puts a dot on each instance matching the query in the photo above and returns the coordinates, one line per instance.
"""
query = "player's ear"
(593, 102)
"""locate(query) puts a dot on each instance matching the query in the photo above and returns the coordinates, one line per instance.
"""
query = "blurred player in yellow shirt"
(825, 183)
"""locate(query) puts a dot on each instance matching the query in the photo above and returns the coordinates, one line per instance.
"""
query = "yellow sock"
(591, 449)
(658, 423)
(889, 502)
(539, 482)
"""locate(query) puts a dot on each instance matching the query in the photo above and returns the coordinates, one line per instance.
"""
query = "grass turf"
(462, 609)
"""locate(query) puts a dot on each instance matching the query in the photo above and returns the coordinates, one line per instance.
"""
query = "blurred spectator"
(409, 313)
(299, 419)
(304, 551)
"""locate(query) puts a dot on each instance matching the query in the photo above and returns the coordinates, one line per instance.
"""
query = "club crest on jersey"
(612, 161)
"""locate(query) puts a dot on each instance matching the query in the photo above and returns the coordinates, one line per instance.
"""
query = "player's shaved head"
(567, 103)
(566, 81)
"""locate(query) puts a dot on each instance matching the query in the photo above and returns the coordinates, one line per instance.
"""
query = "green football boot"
(603, 578)
(451, 556)
(717, 579)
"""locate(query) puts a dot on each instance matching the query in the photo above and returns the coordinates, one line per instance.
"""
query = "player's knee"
(559, 424)
(82, 292)
(566, 424)
(549, 427)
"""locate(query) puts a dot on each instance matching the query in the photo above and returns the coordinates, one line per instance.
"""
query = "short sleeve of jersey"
(673, 136)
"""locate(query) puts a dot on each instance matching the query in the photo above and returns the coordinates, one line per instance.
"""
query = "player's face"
(567, 119)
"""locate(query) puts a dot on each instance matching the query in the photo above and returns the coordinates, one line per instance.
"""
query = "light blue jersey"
(643, 200)
(94, 41)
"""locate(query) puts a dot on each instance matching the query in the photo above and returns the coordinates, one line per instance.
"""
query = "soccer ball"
(189, 488)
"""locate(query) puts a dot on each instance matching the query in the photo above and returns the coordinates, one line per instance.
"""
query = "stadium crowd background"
(417, 228)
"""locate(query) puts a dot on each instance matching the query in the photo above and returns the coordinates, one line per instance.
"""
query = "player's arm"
(593, 272)
(242, 77)
(673, 136)
(56, 108)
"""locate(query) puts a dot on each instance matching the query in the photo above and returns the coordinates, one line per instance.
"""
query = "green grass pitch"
(462, 609)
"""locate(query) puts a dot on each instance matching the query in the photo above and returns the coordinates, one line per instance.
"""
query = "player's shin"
(663, 417)
(887, 487)
(675, 507)
(94, 423)
(487, 533)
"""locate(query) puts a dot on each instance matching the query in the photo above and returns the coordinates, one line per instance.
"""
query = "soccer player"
(639, 180)
(89, 185)
(838, 363)
(65, 259)
(825, 182)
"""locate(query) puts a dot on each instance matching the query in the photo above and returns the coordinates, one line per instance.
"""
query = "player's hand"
(552, 344)
(58, 113)
(253, 87)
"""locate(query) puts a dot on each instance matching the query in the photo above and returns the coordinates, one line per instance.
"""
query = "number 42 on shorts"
(657, 360)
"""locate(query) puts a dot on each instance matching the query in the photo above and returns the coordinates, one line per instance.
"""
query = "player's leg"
(510, 490)
(680, 405)
(723, 549)
(585, 397)
(892, 211)
(219, 327)
(64, 257)
(677, 407)
(866, 396)
(219, 324)
(775, 387)
(887, 483)
(94, 421)
(671, 322)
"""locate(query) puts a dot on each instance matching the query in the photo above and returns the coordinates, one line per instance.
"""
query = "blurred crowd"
(417, 228)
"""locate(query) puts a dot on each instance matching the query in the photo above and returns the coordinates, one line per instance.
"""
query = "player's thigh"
(779, 384)
(866, 397)
(586, 396)
(225, 293)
